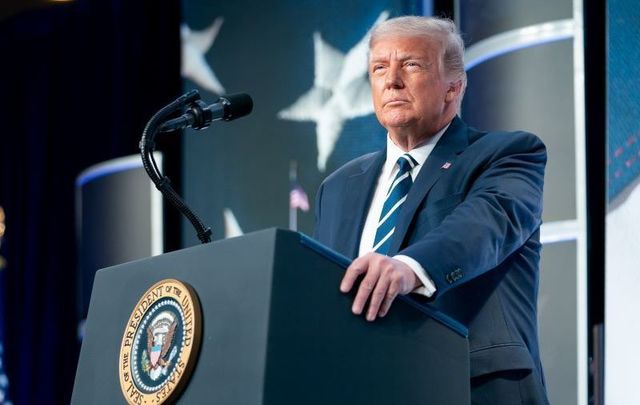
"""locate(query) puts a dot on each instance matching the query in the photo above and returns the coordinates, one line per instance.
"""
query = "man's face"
(411, 94)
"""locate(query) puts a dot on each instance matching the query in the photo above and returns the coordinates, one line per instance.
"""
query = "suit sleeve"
(500, 212)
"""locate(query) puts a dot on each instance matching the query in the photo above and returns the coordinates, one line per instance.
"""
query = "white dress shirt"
(387, 175)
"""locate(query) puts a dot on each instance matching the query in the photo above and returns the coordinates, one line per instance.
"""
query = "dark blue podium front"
(276, 330)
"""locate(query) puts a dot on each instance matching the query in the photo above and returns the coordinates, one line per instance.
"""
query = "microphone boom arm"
(147, 146)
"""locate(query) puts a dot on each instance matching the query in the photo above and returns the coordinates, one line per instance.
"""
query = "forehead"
(405, 46)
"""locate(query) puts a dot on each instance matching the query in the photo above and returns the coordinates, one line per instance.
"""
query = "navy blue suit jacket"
(472, 220)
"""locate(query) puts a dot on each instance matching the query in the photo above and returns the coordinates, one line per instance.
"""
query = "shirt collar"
(420, 154)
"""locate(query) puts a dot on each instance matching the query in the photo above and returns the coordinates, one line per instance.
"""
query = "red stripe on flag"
(298, 199)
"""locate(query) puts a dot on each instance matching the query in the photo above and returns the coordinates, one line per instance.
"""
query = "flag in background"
(298, 199)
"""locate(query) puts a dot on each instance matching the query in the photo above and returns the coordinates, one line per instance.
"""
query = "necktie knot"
(406, 163)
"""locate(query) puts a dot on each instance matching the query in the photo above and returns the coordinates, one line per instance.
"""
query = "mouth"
(395, 102)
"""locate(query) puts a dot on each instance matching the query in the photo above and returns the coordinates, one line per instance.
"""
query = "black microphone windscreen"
(238, 105)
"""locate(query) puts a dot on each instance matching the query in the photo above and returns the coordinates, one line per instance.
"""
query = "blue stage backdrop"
(305, 65)
(623, 217)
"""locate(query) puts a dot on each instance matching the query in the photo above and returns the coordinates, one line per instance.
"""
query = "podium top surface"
(344, 262)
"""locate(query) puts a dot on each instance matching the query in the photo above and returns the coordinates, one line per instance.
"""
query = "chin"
(398, 122)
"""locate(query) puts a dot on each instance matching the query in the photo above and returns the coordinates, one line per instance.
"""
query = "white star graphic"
(231, 226)
(340, 92)
(195, 45)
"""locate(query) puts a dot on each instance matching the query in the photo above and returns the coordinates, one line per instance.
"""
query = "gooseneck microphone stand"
(190, 101)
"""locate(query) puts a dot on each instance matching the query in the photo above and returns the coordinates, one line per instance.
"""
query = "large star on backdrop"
(340, 92)
(195, 44)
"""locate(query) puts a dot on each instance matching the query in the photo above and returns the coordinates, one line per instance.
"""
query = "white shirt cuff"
(428, 288)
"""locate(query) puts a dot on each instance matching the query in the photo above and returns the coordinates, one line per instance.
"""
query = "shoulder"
(485, 149)
(510, 140)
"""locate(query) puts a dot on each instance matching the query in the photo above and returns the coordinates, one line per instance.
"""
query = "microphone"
(200, 116)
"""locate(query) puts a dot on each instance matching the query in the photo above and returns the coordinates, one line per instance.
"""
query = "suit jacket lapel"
(453, 141)
(358, 193)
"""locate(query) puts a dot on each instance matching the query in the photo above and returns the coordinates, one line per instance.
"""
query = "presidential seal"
(160, 343)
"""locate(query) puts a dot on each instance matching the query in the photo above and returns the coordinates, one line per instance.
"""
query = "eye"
(377, 68)
(412, 64)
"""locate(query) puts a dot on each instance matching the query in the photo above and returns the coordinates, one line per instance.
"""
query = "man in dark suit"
(446, 212)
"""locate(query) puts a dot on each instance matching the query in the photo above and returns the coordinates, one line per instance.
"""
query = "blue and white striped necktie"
(393, 202)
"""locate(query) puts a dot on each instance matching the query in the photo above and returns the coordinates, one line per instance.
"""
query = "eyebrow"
(402, 58)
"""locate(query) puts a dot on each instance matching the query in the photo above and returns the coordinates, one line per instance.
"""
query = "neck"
(407, 138)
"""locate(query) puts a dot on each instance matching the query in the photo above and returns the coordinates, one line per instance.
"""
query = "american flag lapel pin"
(446, 165)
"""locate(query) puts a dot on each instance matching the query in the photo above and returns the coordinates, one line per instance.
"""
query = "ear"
(453, 92)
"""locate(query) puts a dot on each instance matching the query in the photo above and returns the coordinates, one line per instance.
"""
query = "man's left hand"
(384, 278)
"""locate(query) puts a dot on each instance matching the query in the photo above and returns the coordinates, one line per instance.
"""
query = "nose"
(393, 80)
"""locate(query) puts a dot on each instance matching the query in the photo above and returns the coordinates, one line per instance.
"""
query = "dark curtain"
(77, 83)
